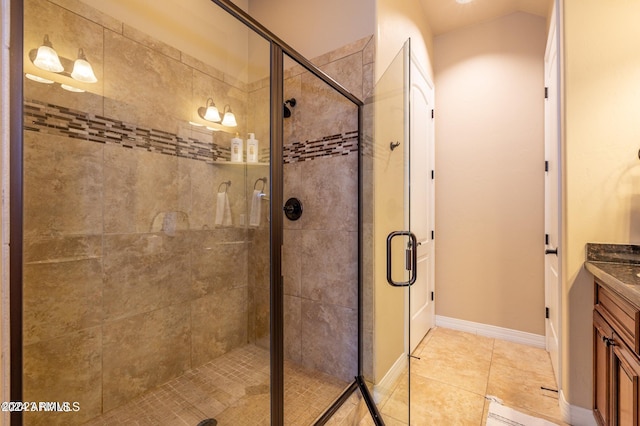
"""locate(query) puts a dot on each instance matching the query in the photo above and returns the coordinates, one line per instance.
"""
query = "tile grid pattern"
(455, 371)
(61, 121)
(233, 389)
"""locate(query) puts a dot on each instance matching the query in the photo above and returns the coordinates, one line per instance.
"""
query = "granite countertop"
(618, 267)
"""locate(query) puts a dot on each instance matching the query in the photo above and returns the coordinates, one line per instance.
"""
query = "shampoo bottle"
(236, 149)
(252, 149)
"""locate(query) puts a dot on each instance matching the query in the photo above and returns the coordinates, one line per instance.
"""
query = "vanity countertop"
(618, 267)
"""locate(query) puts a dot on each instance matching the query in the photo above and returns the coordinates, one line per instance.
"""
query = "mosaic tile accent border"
(61, 121)
(66, 122)
(328, 146)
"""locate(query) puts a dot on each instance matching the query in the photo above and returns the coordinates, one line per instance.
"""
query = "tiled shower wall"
(127, 281)
(320, 251)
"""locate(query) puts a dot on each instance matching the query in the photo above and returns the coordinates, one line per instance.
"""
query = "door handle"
(411, 259)
(551, 251)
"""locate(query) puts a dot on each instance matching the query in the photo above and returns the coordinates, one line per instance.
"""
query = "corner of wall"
(575, 415)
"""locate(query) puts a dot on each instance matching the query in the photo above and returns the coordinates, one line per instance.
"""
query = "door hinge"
(433, 235)
(546, 312)
(432, 296)
(433, 174)
(546, 239)
(546, 93)
(546, 165)
(432, 113)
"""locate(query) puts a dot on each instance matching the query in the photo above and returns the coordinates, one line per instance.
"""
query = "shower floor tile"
(233, 389)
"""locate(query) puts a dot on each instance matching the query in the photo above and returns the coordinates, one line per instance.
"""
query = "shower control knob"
(293, 209)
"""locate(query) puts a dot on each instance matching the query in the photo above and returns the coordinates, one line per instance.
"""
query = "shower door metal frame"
(16, 210)
(16, 102)
(278, 49)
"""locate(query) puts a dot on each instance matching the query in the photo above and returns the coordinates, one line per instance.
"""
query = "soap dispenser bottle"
(252, 149)
(236, 149)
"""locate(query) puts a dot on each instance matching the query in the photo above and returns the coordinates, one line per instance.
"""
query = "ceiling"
(448, 15)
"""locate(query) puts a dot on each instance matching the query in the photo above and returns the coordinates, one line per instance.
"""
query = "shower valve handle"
(293, 209)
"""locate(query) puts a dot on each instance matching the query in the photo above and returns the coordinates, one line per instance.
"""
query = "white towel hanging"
(254, 216)
(223, 210)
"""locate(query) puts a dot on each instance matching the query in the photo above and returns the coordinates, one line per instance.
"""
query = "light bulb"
(212, 114)
(229, 119)
(47, 58)
(82, 70)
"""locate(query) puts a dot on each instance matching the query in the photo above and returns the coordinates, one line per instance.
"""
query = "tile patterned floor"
(450, 380)
(456, 371)
(233, 389)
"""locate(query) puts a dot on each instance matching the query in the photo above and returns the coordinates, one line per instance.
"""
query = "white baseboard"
(493, 331)
(384, 388)
(574, 415)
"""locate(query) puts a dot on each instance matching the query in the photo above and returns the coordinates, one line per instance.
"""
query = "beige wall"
(490, 178)
(396, 22)
(314, 28)
(602, 171)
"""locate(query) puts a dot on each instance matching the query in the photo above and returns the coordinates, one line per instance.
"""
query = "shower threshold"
(233, 389)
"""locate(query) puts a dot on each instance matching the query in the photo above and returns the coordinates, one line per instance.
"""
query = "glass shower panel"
(386, 184)
(320, 250)
(146, 248)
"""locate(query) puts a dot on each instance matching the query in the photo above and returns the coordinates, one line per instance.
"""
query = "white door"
(421, 199)
(553, 251)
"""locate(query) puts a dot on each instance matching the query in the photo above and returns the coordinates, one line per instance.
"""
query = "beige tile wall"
(320, 254)
(114, 306)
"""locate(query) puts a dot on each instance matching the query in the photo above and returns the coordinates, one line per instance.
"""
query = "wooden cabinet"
(616, 359)
(626, 371)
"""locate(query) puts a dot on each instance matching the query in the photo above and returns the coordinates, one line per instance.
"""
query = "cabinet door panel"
(601, 369)
(625, 385)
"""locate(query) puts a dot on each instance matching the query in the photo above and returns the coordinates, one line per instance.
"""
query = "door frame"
(415, 66)
(555, 144)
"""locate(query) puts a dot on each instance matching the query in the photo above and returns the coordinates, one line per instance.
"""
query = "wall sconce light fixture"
(228, 118)
(209, 112)
(82, 70)
(47, 58)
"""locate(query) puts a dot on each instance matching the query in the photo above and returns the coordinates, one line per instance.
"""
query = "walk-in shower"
(159, 279)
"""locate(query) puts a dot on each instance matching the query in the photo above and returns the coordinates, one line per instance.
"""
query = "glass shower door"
(152, 241)
(146, 264)
(320, 244)
(394, 253)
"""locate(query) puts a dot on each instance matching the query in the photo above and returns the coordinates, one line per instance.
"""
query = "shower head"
(287, 111)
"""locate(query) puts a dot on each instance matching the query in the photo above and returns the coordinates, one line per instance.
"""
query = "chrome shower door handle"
(411, 258)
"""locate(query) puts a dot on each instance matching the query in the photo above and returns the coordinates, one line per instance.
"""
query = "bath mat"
(499, 415)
